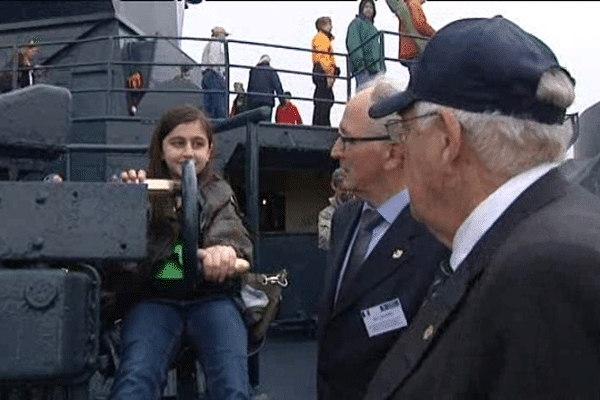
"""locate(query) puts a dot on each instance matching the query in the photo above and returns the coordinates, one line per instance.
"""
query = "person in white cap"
(213, 75)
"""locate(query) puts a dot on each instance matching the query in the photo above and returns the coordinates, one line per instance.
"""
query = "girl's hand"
(133, 176)
(221, 262)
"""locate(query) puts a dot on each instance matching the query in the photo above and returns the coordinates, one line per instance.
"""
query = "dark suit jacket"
(520, 318)
(347, 357)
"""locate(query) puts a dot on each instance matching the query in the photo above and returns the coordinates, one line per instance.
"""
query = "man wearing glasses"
(519, 315)
(381, 262)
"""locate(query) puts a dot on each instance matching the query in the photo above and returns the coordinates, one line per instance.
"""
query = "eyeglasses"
(350, 139)
(392, 124)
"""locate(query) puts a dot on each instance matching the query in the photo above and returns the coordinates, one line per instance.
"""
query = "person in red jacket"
(287, 113)
(411, 21)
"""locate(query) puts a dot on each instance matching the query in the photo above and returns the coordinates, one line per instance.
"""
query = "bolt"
(41, 197)
(91, 361)
(38, 243)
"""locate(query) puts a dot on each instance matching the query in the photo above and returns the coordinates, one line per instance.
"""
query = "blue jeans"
(151, 339)
(215, 103)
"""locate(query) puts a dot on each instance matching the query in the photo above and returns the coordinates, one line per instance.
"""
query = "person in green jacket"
(363, 45)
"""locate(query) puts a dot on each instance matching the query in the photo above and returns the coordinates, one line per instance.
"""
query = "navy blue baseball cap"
(480, 64)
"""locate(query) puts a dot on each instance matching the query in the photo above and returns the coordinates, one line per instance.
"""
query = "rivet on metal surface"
(41, 197)
(38, 243)
(40, 294)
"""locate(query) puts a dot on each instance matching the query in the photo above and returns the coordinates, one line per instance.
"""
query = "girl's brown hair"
(164, 226)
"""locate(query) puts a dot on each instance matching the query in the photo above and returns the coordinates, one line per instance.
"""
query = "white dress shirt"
(488, 211)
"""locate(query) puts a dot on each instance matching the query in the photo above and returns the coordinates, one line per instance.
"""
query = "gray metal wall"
(588, 143)
(305, 263)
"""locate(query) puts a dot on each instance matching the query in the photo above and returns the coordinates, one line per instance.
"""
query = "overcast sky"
(567, 27)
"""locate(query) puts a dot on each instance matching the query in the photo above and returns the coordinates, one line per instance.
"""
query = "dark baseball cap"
(480, 64)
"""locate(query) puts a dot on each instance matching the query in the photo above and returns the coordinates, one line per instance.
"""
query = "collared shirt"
(488, 211)
(389, 211)
(214, 54)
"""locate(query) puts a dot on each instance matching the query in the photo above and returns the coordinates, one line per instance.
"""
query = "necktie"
(442, 274)
(369, 220)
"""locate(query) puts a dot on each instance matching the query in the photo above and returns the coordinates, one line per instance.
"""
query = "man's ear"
(451, 136)
(396, 154)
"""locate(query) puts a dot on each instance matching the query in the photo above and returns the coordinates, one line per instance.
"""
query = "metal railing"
(113, 59)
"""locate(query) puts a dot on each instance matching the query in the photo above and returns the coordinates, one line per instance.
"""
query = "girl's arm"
(225, 239)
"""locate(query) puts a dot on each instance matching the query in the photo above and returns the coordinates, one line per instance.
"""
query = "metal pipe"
(15, 63)
(349, 80)
(107, 148)
(227, 92)
(111, 43)
(252, 189)
(382, 53)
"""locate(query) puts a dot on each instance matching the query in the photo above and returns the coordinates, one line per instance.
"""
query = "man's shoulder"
(556, 234)
(355, 22)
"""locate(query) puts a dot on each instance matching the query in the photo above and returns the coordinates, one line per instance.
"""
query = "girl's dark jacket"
(220, 224)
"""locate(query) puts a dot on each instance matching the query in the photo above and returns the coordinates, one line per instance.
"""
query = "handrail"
(111, 88)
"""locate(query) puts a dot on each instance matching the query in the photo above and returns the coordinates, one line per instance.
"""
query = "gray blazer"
(520, 318)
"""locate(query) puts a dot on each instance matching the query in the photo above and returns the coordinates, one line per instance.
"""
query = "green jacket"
(360, 30)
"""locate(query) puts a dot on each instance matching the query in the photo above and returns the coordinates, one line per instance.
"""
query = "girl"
(163, 312)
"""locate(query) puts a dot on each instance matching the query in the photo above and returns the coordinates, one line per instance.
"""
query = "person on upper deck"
(25, 73)
(263, 83)
(325, 71)
(287, 112)
(240, 103)
(363, 44)
(213, 76)
(411, 21)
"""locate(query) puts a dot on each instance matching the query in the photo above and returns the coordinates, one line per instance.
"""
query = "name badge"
(384, 317)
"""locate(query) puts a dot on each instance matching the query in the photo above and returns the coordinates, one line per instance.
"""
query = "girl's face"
(188, 141)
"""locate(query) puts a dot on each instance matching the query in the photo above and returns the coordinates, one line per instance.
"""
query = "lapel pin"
(397, 253)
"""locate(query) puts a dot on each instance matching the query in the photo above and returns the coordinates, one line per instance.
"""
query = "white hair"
(383, 87)
(511, 145)
(264, 58)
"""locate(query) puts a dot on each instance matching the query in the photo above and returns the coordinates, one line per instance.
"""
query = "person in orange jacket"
(324, 71)
(412, 21)
(287, 112)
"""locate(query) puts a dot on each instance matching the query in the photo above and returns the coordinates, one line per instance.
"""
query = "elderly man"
(381, 262)
(519, 313)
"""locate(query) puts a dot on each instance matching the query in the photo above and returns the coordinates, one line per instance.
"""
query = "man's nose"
(336, 150)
